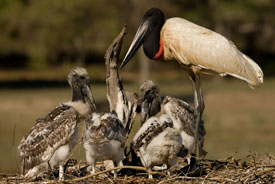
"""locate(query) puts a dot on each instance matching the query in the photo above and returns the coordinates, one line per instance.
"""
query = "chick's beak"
(87, 92)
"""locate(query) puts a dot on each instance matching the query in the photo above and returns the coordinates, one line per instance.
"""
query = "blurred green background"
(40, 41)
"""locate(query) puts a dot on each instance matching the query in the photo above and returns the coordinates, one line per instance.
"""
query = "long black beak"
(146, 106)
(141, 34)
(87, 92)
(145, 111)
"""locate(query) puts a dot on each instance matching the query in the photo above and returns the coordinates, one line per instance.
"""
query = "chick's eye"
(147, 93)
(82, 77)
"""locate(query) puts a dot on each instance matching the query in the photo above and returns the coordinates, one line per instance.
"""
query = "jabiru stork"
(179, 111)
(106, 133)
(53, 137)
(197, 49)
(167, 130)
(104, 139)
(157, 143)
(124, 103)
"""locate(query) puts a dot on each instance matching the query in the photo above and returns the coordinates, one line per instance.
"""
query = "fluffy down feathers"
(161, 139)
(47, 135)
(182, 115)
(157, 143)
(104, 138)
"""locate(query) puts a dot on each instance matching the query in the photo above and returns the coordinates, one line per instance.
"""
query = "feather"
(104, 139)
(104, 127)
(156, 142)
(191, 44)
(47, 135)
(183, 118)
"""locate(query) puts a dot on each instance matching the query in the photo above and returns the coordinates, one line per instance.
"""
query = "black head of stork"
(150, 100)
(148, 34)
(79, 81)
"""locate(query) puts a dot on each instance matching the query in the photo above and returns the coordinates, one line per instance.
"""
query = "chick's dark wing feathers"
(47, 135)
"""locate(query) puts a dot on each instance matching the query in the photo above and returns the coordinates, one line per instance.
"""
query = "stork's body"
(104, 139)
(105, 133)
(52, 138)
(193, 45)
(197, 49)
(157, 142)
(168, 128)
(124, 103)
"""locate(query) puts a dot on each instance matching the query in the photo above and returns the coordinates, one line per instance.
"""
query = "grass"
(237, 119)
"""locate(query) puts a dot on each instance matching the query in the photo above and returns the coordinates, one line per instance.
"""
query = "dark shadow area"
(13, 60)
(35, 84)
(21, 84)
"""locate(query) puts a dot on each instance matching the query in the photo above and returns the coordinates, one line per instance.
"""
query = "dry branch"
(109, 170)
(122, 102)
(230, 170)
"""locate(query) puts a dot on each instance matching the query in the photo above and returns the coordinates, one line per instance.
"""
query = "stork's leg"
(199, 107)
(93, 171)
(92, 167)
(150, 175)
(61, 172)
(32, 173)
(188, 158)
(168, 170)
(115, 171)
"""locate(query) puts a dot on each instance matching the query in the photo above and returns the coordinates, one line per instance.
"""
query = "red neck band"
(160, 52)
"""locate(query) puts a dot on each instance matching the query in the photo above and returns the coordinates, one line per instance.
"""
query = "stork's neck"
(156, 106)
(152, 46)
(77, 95)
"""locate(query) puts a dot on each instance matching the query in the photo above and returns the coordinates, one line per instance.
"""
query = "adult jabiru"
(197, 49)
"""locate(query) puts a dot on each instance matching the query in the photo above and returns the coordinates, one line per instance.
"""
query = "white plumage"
(104, 139)
(157, 142)
(183, 119)
(52, 138)
(106, 133)
(169, 131)
(124, 103)
(191, 44)
(49, 141)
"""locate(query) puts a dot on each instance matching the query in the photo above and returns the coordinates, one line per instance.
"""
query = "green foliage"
(55, 31)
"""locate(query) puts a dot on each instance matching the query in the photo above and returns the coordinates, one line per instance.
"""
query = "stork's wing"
(103, 127)
(181, 113)
(183, 116)
(191, 44)
(126, 109)
(46, 136)
(150, 129)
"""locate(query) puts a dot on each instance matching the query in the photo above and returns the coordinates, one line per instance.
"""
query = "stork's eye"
(82, 77)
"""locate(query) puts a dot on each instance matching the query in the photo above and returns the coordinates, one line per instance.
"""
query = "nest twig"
(254, 168)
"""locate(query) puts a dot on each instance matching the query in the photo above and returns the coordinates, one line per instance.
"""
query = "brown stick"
(113, 81)
(102, 172)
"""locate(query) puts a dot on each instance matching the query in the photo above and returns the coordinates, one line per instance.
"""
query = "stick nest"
(254, 168)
